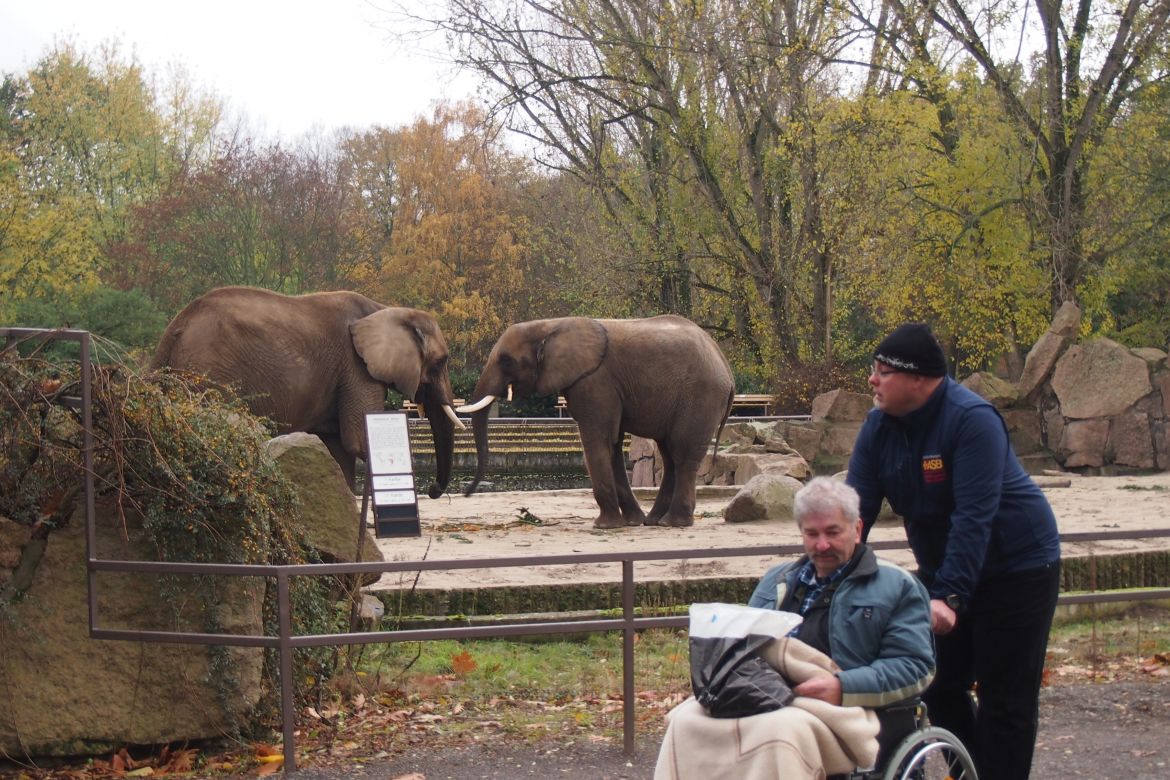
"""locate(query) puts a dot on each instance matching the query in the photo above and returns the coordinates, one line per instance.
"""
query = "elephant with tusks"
(318, 363)
(662, 378)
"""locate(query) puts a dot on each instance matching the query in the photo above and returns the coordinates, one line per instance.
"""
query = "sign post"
(390, 472)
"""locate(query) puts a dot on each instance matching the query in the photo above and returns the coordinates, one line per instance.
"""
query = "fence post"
(287, 714)
(628, 655)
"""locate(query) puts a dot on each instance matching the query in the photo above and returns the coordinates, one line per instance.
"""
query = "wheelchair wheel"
(930, 754)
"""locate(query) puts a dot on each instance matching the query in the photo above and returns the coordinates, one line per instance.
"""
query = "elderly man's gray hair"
(825, 495)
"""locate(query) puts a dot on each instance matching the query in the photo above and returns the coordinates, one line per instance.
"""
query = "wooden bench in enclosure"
(751, 401)
(410, 407)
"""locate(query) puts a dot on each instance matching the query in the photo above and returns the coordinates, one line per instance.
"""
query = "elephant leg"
(344, 459)
(681, 510)
(599, 462)
(632, 513)
(665, 489)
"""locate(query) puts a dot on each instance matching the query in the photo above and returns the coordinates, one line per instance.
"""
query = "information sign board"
(390, 473)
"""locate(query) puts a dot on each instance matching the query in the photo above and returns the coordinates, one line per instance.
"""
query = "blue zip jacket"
(879, 629)
(970, 510)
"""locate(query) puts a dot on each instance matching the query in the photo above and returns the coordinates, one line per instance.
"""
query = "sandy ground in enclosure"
(487, 525)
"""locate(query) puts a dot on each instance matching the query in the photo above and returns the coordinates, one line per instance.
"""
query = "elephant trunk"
(479, 427)
(443, 434)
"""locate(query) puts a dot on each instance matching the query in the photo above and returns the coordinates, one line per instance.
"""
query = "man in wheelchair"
(864, 645)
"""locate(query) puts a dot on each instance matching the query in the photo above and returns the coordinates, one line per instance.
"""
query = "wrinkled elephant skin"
(662, 378)
(318, 363)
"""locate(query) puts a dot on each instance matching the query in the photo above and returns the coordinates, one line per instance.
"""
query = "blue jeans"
(998, 648)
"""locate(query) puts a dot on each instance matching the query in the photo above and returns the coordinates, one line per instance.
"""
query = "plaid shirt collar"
(814, 585)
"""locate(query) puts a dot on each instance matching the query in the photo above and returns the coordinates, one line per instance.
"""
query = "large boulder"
(1083, 443)
(1161, 431)
(67, 694)
(1041, 359)
(331, 516)
(642, 453)
(804, 437)
(841, 406)
(1024, 430)
(739, 463)
(1130, 442)
(838, 441)
(764, 497)
(1156, 358)
(1099, 379)
(999, 392)
(1161, 382)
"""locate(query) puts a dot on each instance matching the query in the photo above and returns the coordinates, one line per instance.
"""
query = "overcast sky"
(290, 66)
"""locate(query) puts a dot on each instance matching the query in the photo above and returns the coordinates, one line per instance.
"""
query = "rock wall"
(1095, 405)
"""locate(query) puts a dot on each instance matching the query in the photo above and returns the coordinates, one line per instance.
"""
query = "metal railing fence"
(629, 623)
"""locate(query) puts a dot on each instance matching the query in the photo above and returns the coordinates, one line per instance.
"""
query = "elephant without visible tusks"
(662, 378)
(317, 363)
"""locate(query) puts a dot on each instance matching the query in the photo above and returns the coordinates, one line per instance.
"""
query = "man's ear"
(859, 529)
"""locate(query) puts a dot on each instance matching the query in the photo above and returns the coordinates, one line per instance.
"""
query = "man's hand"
(823, 688)
(942, 617)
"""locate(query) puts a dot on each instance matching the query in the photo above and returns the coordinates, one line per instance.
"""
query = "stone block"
(1054, 423)
(1024, 430)
(331, 527)
(764, 497)
(805, 438)
(841, 406)
(1084, 441)
(72, 695)
(1154, 357)
(1131, 441)
(999, 392)
(1099, 379)
(838, 440)
(1161, 382)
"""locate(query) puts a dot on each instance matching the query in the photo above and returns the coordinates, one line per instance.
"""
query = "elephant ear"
(391, 344)
(574, 348)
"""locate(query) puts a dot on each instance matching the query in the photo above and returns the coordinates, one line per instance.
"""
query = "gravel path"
(1114, 731)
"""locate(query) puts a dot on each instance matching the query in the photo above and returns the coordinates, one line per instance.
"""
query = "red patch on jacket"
(933, 469)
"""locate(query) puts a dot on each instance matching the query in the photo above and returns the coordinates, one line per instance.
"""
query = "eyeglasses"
(883, 372)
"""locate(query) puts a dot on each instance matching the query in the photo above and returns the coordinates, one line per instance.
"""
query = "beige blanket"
(808, 739)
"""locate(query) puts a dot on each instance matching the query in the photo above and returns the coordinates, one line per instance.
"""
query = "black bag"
(728, 677)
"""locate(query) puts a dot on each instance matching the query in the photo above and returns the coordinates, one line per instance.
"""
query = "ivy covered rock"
(181, 474)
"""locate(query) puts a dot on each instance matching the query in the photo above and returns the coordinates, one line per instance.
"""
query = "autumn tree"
(83, 141)
(1092, 60)
(262, 216)
(697, 125)
(1131, 184)
(436, 208)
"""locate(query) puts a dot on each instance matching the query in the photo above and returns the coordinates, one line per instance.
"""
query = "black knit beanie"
(914, 349)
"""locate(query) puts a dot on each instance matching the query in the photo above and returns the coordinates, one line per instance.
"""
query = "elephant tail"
(722, 422)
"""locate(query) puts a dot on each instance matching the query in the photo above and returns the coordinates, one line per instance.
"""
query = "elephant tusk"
(509, 394)
(451, 413)
(483, 403)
